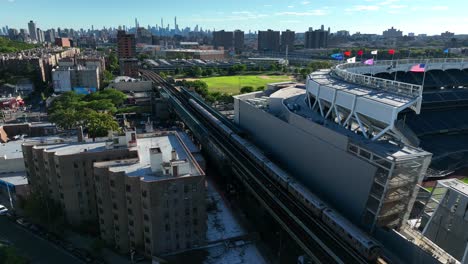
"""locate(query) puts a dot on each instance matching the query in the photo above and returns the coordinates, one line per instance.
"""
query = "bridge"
(317, 241)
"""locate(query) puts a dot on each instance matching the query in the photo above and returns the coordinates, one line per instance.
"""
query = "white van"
(3, 210)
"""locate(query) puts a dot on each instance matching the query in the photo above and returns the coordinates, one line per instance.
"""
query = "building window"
(146, 229)
(147, 240)
(195, 210)
(128, 188)
(130, 223)
(112, 183)
(130, 212)
(114, 205)
(75, 165)
(168, 227)
(145, 216)
(186, 189)
(195, 222)
(116, 217)
(144, 193)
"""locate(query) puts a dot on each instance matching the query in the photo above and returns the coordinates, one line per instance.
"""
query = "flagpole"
(426, 66)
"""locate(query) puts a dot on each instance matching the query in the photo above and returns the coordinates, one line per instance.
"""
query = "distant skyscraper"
(175, 24)
(32, 30)
(136, 23)
(287, 40)
(268, 40)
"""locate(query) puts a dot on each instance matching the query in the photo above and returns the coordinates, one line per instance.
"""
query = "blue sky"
(366, 16)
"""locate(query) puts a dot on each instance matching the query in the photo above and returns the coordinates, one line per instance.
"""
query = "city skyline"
(368, 16)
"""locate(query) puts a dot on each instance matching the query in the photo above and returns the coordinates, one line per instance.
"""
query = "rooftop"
(142, 166)
(14, 178)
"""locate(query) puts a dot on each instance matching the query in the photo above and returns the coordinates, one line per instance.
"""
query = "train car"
(279, 174)
(312, 202)
(226, 130)
(360, 241)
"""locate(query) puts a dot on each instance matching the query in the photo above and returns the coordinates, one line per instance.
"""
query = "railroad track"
(315, 239)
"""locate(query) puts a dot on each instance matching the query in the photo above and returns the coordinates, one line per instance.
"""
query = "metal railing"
(402, 88)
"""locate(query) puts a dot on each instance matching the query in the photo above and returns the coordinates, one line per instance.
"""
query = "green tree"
(260, 88)
(246, 89)
(98, 124)
(113, 62)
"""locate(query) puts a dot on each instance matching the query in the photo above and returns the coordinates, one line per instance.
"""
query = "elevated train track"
(321, 244)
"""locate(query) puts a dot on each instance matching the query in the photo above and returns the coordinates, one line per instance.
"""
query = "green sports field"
(232, 84)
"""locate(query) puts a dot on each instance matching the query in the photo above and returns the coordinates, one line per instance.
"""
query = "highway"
(314, 238)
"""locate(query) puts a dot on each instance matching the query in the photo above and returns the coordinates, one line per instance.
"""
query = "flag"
(347, 53)
(446, 51)
(360, 52)
(337, 56)
(418, 68)
(351, 60)
(374, 52)
(391, 52)
(369, 62)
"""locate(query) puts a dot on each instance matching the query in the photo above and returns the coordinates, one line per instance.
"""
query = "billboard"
(83, 90)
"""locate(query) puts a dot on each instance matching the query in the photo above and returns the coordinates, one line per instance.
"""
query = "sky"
(365, 16)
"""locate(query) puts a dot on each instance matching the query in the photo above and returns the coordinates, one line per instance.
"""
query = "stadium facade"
(349, 135)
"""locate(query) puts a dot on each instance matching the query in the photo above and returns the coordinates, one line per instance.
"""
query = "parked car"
(3, 210)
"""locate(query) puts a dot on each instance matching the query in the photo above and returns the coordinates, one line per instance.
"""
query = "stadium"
(363, 137)
(442, 124)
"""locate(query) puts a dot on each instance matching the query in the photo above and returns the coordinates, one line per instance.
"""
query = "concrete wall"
(11, 164)
(314, 155)
(404, 250)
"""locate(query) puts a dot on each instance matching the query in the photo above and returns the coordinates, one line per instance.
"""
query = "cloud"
(305, 2)
(360, 8)
(388, 2)
(439, 8)
(290, 6)
(316, 12)
(397, 6)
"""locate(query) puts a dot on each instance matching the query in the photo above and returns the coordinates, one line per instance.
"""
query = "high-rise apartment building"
(32, 30)
(239, 41)
(392, 33)
(125, 45)
(268, 41)
(316, 39)
(153, 204)
(223, 39)
(287, 40)
(229, 40)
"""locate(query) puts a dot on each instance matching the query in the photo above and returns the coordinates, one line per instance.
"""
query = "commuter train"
(360, 241)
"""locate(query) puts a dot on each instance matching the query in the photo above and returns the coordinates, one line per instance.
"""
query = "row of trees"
(197, 71)
(94, 111)
(10, 46)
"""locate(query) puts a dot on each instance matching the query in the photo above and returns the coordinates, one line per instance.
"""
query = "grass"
(465, 180)
(232, 84)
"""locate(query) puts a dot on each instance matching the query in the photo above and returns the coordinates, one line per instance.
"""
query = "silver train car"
(360, 241)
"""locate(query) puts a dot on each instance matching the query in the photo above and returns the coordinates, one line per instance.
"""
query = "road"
(36, 249)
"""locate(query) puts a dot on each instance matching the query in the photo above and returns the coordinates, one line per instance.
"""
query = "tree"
(98, 124)
(246, 89)
(117, 97)
(113, 62)
(260, 88)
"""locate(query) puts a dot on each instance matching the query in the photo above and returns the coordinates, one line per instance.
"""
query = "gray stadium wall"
(314, 155)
